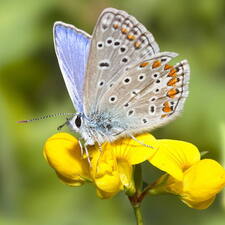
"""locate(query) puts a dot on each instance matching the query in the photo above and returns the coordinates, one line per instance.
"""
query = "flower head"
(110, 168)
(195, 181)
(64, 155)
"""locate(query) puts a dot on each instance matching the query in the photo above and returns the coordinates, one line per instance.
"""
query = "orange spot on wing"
(115, 26)
(156, 64)
(172, 73)
(167, 107)
(131, 37)
(173, 81)
(166, 104)
(137, 44)
(144, 64)
(124, 30)
(167, 67)
(172, 92)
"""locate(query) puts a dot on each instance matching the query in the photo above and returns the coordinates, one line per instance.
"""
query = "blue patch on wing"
(72, 48)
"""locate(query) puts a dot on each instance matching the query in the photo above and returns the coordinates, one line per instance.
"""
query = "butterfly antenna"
(46, 117)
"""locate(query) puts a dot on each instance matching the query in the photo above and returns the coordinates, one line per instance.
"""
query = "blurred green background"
(31, 85)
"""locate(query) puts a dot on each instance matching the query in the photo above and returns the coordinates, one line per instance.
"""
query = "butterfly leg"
(87, 154)
(99, 146)
(140, 142)
(61, 126)
(81, 147)
(96, 139)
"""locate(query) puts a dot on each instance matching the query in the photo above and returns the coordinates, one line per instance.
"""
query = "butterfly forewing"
(119, 41)
(72, 48)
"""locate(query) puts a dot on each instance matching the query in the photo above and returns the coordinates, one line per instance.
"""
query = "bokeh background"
(31, 85)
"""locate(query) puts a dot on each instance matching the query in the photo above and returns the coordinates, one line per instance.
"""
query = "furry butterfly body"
(118, 80)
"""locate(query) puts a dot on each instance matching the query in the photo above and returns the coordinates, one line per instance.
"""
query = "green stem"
(138, 214)
(134, 199)
(138, 178)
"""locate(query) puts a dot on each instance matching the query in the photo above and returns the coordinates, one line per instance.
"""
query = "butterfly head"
(79, 125)
(75, 123)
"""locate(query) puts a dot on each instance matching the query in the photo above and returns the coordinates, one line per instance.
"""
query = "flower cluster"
(196, 181)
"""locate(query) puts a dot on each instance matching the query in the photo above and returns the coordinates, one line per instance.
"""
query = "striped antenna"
(47, 116)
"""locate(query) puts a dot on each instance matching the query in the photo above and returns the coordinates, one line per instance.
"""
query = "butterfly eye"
(78, 121)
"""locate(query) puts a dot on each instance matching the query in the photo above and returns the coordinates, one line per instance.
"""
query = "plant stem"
(138, 178)
(134, 199)
(138, 214)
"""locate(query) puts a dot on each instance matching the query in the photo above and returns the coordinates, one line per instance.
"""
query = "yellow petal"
(112, 167)
(104, 195)
(174, 157)
(125, 172)
(71, 182)
(126, 176)
(203, 181)
(199, 205)
(132, 151)
(109, 183)
(62, 151)
(200, 184)
(104, 171)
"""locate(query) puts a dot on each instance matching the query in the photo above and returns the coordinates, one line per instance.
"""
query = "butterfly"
(119, 82)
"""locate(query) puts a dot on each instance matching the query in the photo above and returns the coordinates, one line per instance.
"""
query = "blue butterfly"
(118, 80)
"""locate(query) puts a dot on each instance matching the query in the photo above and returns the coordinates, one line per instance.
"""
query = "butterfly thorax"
(96, 127)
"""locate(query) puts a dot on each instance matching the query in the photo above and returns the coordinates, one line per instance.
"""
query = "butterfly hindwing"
(163, 100)
(149, 94)
(118, 42)
(72, 48)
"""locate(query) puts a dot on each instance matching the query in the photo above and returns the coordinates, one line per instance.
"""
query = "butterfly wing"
(128, 82)
(119, 41)
(72, 48)
(149, 94)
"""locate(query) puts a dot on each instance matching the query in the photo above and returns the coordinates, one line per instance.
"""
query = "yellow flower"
(196, 181)
(110, 169)
(64, 155)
